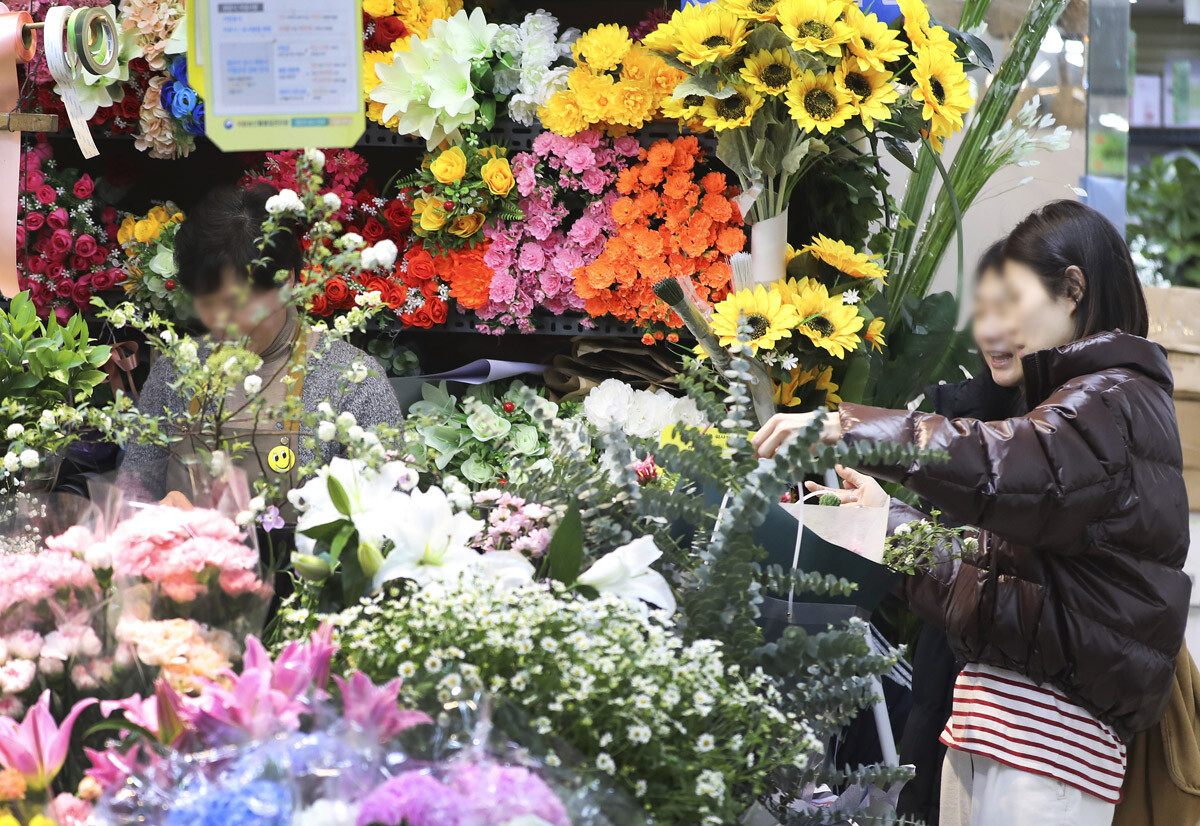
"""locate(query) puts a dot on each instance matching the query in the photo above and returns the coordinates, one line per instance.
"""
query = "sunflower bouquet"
(457, 190)
(616, 85)
(808, 327)
(784, 83)
(151, 281)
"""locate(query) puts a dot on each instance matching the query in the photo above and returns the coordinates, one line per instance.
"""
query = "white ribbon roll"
(67, 73)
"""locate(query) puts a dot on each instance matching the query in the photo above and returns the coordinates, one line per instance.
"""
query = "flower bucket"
(768, 249)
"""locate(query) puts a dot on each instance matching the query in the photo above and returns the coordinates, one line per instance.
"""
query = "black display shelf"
(1165, 135)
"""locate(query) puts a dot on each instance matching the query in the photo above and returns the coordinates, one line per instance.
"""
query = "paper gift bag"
(859, 530)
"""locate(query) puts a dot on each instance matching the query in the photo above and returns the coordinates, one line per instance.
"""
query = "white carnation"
(350, 241)
(608, 403)
(685, 412)
(12, 462)
(315, 157)
(332, 202)
(650, 413)
(386, 252)
(286, 201)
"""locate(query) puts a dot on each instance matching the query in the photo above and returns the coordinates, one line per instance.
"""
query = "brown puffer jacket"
(1078, 581)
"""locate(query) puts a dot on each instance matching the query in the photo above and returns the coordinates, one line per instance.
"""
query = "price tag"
(279, 74)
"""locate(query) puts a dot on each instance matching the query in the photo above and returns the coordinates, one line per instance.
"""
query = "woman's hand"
(858, 490)
(175, 499)
(782, 427)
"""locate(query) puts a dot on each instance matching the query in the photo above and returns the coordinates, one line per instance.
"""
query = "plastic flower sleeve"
(51, 602)
(188, 587)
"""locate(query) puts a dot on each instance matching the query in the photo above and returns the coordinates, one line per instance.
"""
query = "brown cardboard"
(1191, 478)
(1187, 412)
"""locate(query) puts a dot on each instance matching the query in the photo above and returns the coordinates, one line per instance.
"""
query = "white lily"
(401, 83)
(469, 37)
(372, 496)
(508, 568)
(430, 539)
(626, 572)
(450, 88)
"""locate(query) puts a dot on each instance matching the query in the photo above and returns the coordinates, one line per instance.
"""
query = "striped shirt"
(1005, 716)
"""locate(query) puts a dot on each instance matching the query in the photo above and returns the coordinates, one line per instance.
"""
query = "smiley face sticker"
(281, 459)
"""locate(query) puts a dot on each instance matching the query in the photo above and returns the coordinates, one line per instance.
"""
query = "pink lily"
(375, 708)
(37, 747)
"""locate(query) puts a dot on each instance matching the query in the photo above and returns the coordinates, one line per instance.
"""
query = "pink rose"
(594, 181)
(42, 245)
(46, 195)
(99, 258)
(84, 187)
(85, 246)
(65, 288)
(58, 219)
(41, 293)
(532, 258)
(579, 159)
(104, 279)
(35, 221)
(36, 264)
(20, 236)
(34, 180)
(78, 263)
(61, 242)
(55, 271)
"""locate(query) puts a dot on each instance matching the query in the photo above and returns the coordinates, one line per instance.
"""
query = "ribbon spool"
(93, 33)
(79, 40)
(17, 45)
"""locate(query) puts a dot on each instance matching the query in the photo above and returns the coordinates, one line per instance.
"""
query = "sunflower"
(870, 91)
(710, 34)
(786, 392)
(818, 103)
(814, 25)
(603, 47)
(842, 257)
(872, 42)
(769, 318)
(874, 334)
(770, 72)
(827, 322)
(765, 10)
(824, 380)
(941, 84)
(686, 108)
(731, 112)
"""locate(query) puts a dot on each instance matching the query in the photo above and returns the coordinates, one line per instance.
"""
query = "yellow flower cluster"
(145, 230)
(460, 190)
(616, 85)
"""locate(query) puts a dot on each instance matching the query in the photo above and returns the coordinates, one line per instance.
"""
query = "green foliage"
(925, 346)
(1164, 220)
(46, 363)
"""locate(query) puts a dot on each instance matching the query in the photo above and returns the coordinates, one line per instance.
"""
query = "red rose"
(102, 280)
(110, 231)
(63, 314)
(65, 287)
(40, 292)
(79, 263)
(140, 65)
(34, 180)
(46, 195)
(86, 246)
(373, 231)
(34, 221)
(84, 187)
(398, 215)
(60, 242)
(377, 284)
(109, 215)
(55, 271)
(420, 263)
(387, 31)
(42, 245)
(58, 219)
(421, 318)
(81, 295)
(20, 236)
(318, 306)
(437, 310)
(36, 264)
(130, 107)
(99, 258)
(429, 288)
(337, 292)
(396, 295)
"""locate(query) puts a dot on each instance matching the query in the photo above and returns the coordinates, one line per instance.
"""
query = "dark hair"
(992, 259)
(1064, 234)
(224, 232)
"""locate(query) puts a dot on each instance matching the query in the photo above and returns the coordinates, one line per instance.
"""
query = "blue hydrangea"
(257, 803)
(179, 69)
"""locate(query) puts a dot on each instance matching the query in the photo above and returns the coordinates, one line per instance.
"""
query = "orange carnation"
(661, 154)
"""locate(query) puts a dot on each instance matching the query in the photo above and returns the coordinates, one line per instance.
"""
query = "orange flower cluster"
(467, 274)
(673, 219)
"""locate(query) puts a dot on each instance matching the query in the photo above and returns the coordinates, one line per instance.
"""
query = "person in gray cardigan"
(234, 284)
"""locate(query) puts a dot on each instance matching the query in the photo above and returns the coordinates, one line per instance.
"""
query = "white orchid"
(626, 572)
(430, 539)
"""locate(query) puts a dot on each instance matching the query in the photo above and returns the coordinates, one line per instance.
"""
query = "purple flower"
(271, 520)
(498, 794)
(532, 258)
(375, 708)
(413, 799)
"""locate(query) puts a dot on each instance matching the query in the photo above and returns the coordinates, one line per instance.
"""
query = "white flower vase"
(768, 249)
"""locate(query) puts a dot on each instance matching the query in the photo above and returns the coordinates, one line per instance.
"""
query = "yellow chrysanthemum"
(818, 103)
(712, 34)
(604, 47)
(814, 25)
(596, 94)
(872, 43)
(874, 334)
(843, 258)
(826, 321)
(941, 84)
(770, 72)
(763, 10)
(652, 71)
(379, 8)
(731, 112)
(632, 104)
(769, 318)
(562, 114)
(870, 91)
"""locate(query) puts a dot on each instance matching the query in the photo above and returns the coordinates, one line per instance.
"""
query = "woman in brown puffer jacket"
(1072, 613)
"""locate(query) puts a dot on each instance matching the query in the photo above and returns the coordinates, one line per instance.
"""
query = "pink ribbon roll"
(17, 45)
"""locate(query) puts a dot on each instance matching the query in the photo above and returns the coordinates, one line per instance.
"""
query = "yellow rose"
(498, 176)
(160, 214)
(379, 8)
(464, 226)
(433, 217)
(147, 230)
(450, 166)
(126, 230)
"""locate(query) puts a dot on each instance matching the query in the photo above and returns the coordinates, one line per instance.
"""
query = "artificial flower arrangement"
(784, 83)
(344, 170)
(66, 243)
(567, 191)
(675, 218)
(457, 191)
(532, 58)
(805, 328)
(181, 100)
(477, 437)
(616, 85)
(150, 271)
